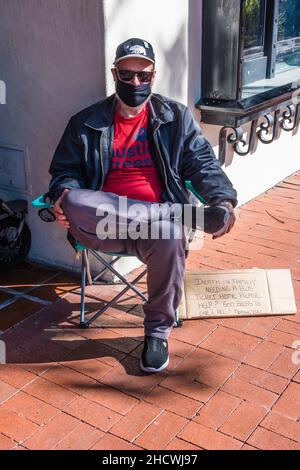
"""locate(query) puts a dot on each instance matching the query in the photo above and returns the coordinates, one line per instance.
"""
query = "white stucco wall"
(164, 25)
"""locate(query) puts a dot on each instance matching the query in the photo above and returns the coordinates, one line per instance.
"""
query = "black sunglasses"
(128, 75)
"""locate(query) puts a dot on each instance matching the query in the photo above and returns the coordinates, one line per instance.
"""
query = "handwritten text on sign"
(231, 293)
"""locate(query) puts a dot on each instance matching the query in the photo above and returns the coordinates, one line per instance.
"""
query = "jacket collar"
(160, 110)
(102, 115)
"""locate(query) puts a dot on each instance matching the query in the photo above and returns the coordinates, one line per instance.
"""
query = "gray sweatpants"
(164, 257)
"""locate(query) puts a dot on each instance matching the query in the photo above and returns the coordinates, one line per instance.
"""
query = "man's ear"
(113, 71)
(153, 76)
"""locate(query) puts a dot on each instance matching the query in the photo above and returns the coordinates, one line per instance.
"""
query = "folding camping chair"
(44, 208)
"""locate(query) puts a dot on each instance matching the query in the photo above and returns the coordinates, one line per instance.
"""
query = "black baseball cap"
(134, 47)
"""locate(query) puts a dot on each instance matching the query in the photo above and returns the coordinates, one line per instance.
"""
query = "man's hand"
(230, 219)
(59, 213)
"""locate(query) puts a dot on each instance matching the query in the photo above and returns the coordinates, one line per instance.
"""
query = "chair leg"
(82, 323)
(122, 278)
(178, 323)
(113, 301)
(85, 254)
(105, 268)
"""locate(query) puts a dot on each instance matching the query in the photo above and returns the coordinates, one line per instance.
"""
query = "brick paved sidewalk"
(231, 383)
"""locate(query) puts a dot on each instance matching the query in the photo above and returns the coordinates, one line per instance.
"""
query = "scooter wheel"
(12, 253)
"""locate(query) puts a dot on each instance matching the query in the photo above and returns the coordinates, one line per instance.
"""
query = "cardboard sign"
(245, 292)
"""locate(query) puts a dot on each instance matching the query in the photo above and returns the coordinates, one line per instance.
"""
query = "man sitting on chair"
(143, 146)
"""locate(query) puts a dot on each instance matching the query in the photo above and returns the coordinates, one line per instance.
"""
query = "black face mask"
(133, 95)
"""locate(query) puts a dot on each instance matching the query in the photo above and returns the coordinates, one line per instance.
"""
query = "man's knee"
(72, 207)
(170, 247)
(168, 231)
(75, 201)
(69, 200)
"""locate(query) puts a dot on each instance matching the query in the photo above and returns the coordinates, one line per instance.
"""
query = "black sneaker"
(155, 356)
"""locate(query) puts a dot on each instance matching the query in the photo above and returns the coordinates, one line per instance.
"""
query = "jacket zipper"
(164, 167)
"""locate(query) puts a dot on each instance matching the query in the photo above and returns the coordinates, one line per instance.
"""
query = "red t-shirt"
(133, 172)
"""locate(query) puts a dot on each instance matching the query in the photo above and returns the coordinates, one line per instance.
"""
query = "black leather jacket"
(83, 156)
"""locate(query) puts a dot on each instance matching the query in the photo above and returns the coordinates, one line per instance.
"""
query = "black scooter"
(15, 236)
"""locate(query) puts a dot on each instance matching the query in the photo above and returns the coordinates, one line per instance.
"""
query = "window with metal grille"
(250, 58)
(271, 44)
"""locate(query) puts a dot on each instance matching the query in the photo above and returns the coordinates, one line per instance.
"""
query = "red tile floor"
(231, 383)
